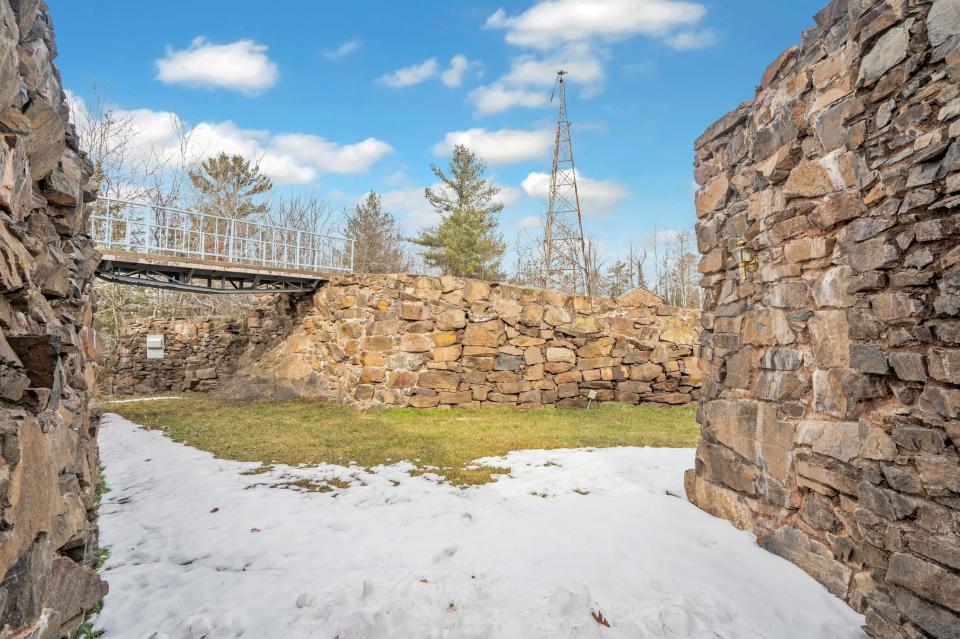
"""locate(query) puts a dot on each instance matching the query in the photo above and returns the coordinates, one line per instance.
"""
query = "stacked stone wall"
(199, 353)
(830, 407)
(48, 453)
(401, 340)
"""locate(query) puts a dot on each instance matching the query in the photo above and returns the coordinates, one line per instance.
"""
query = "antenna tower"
(564, 249)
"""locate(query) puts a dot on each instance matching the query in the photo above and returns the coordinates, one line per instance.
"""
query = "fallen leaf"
(216, 509)
(599, 618)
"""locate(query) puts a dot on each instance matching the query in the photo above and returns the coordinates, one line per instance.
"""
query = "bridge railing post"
(203, 243)
(299, 233)
(231, 238)
(128, 235)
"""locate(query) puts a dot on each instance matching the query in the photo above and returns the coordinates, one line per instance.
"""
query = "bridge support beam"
(198, 277)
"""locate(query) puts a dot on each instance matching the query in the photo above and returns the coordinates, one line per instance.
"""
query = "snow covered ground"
(198, 549)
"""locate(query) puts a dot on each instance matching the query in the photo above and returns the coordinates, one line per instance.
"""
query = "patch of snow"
(199, 549)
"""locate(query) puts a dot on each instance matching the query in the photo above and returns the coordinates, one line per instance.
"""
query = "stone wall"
(199, 354)
(831, 401)
(400, 340)
(48, 454)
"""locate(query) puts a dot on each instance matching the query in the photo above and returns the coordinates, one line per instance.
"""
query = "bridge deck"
(177, 272)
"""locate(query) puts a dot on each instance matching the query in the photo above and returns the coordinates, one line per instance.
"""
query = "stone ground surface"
(199, 549)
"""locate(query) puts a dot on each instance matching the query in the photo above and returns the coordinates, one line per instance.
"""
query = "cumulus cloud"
(548, 22)
(690, 40)
(499, 147)
(409, 76)
(498, 97)
(582, 63)
(507, 196)
(572, 35)
(240, 66)
(288, 158)
(531, 78)
(597, 197)
(410, 208)
(453, 77)
(331, 157)
(343, 50)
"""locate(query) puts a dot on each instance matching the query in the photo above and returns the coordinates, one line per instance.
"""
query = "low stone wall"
(401, 340)
(831, 400)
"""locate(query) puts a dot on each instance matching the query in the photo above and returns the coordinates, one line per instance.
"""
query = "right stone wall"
(830, 407)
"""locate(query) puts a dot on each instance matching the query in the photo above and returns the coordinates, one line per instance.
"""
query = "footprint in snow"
(445, 554)
(306, 600)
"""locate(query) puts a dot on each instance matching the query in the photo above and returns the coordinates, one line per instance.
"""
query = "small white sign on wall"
(154, 346)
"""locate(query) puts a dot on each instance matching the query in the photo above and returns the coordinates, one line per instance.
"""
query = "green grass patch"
(85, 630)
(449, 440)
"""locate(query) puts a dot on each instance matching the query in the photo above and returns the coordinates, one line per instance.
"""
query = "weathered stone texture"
(199, 353)
(48, 452)
(831, 404)
(405, 340)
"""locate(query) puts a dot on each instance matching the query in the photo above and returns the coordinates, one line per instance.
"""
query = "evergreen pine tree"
(227, 185)
(465, 243)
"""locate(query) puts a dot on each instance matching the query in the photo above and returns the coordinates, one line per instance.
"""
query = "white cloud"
(689, 40)
(331, 157)
(453, 77)
(597, 197)
(343, 50)
(549, 22)
(507, 196)
(498, 97)
(532, 77)
(581, 62)
(288, 158)
(529, 222)
(570, 35)
(499, 147)
(410, 208)
(241, 66)
(409, 76)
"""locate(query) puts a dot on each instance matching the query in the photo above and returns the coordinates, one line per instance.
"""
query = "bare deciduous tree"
(378, 242)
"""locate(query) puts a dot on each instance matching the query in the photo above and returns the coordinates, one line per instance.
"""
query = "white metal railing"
(162, 230)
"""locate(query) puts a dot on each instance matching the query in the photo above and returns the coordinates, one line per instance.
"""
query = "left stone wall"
(48, 452)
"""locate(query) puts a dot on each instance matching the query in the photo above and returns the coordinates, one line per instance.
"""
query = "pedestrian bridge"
(163, 247)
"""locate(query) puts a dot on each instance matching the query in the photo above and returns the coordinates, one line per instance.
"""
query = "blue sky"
(342, 97)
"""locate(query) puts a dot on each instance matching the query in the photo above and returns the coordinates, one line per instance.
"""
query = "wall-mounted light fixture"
(746, 259)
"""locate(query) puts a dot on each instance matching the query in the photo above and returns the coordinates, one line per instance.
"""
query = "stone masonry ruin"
(831, 401)
(48, 452)
(401, 340)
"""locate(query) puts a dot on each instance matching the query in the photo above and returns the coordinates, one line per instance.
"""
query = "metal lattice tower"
(564, 248)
